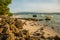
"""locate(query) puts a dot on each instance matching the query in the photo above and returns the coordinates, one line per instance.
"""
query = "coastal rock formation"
(22, 29)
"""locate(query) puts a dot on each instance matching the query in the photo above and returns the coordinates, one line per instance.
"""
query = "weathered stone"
(11, 37)
(19, 24)
(12, 29)
(3, 36)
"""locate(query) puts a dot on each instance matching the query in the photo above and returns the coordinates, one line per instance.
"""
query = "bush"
(10, 14)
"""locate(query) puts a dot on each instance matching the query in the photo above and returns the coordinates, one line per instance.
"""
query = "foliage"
(4, 10)
(10, 14)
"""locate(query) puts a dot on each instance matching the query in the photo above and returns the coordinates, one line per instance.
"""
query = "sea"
(54, 22)
(55, 16)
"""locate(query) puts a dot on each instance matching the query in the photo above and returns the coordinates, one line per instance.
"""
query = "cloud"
(35, 6)
(41, 8)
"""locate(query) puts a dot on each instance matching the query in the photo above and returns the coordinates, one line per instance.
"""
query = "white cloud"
(39, 7)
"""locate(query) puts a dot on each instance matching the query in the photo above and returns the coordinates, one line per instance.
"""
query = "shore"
(24, 29)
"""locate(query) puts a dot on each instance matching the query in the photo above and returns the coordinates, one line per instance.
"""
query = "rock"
(11, 37)
(20, 29)
(3, 36)
(14, 29)
(19, 24)
(1, 29)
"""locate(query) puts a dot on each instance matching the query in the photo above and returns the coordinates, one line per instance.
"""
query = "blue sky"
(35, 6)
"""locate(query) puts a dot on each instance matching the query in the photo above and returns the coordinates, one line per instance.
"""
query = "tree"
(10, 14)
(4, 10)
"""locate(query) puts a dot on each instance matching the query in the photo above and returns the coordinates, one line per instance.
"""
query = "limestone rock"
(20, 29)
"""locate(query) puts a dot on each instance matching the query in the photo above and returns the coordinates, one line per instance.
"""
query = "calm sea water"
(41, 16)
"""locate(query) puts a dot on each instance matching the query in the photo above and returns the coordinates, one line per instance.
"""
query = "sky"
(35, 6)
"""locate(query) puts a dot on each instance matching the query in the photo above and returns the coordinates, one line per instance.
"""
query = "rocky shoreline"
(21, 29)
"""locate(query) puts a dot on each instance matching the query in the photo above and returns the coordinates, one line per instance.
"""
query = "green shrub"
(10, 14)
(4, 10)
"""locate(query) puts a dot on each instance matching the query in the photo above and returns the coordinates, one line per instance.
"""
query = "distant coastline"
(34, 13)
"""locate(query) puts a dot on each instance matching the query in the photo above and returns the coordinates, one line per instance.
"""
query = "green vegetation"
(10, 14)
(4, 10)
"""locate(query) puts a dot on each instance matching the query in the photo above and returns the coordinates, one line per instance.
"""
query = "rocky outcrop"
(20, 29)
(10, 28)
